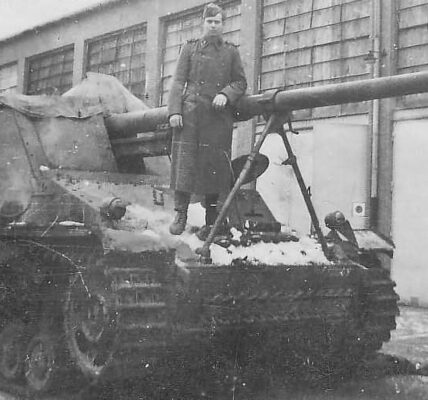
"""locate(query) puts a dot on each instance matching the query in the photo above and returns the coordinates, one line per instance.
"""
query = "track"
(90, 319)
(79, 313)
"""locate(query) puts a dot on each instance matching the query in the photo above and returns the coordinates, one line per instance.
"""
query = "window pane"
(8, 78)
(51, 71)
(328, 47)
(121, 54)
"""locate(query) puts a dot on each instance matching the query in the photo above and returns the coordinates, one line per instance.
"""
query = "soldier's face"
(213, 26)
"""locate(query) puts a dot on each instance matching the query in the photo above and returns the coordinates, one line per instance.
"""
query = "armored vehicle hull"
(93, 285)
(69, 306)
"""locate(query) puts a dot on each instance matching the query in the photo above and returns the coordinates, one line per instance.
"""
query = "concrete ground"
(410, 339)
(408, 342)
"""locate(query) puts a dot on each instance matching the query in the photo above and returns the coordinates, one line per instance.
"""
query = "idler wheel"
(90, 330)
(12, 350)
(40, 365)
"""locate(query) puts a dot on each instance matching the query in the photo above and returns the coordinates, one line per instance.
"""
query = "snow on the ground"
(146, 229)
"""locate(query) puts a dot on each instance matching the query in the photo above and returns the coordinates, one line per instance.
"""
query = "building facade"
(365, 158)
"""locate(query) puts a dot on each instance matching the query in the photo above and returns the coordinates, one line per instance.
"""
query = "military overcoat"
(201, 149)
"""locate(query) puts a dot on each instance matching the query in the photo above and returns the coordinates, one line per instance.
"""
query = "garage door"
(410, 216)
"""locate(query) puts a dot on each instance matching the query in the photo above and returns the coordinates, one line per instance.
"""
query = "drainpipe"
(374, 59)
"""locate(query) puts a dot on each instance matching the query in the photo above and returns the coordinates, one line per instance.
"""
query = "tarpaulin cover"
(113, 96)
(96, 94)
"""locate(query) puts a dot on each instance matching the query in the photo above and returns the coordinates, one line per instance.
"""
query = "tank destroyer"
(93, 284)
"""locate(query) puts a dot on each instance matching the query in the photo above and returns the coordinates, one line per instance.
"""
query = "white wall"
(342, 170)
(278, 185)
(410, 211)
(335, 182)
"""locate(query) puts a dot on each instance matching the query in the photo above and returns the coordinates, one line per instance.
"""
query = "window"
(51, 72)
(412, 51)
(188, 26)
(121, 54)
(9, 78)
(314, 43)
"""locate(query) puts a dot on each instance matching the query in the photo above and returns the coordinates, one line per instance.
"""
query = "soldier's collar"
(215, 40)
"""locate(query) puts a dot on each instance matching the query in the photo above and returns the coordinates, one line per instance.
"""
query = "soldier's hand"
(219, 102)
(176, 121)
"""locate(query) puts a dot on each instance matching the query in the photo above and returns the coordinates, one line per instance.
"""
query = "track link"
(141, 297)
(380, 308)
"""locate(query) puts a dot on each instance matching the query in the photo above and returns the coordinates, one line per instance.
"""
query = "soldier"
(209, 79)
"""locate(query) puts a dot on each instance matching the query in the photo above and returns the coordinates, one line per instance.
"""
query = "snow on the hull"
(141, 229)
(305, 251)
(145, 229)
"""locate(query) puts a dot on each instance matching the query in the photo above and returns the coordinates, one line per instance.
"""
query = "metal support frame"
(274, 123)
(292, 160)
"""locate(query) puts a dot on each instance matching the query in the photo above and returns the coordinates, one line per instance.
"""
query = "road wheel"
(90, 330)
(12, 345)
(41, 364)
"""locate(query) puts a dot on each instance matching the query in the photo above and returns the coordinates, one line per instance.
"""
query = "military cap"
(211, 10)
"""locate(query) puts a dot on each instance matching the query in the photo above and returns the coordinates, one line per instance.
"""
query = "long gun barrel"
(129, 124)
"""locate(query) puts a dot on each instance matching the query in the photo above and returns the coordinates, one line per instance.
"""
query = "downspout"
(374, 60)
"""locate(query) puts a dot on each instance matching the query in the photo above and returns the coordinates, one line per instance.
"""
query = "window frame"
(164, 21)
(117, 33)
(7, 65)
(48, 53)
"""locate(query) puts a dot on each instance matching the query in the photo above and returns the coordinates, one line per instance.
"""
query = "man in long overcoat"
(209, 79)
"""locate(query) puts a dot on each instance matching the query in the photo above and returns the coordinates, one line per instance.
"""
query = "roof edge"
(106, 4)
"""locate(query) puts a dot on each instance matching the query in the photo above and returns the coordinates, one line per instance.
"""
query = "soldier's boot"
(210, 216)
(181, 200)
(179, 224)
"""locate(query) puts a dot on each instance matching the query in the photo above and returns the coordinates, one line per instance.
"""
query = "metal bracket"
(290, 127)
(268, 101)
(268, 96)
